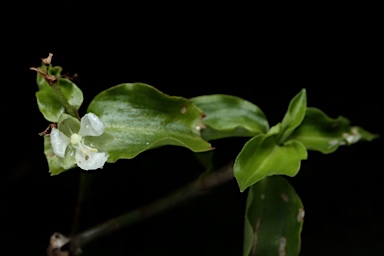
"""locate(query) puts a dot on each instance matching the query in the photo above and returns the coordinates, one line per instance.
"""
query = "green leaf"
(230, 116)
(140, 118)
(294, 116)
(261, 156)
(273, 219)
(49, 103)
(322, 133)
(54, 162)
(71, 92)
(275, 129)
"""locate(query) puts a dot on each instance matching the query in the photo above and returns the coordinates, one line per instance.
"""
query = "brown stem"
(191, 190)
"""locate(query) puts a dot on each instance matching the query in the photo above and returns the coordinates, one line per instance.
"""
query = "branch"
(191, 190)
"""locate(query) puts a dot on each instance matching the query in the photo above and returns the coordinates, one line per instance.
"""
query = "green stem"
(191, 190)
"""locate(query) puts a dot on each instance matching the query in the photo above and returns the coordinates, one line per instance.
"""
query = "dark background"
(264, 55)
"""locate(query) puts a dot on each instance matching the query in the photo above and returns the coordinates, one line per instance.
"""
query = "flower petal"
(59, 142)
(91, 125)
(68, 161)
(89, 159)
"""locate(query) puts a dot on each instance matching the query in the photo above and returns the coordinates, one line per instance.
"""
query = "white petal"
(59, 142)
(68, 161)
(88, 159)
(91, 125)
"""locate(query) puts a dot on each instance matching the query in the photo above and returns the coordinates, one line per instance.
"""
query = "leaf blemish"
(282, 244)
(183, 110)
(300, 215)
(284, 197)
(262, 196)
(333, 142)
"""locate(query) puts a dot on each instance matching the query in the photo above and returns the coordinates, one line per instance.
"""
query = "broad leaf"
(294, 116)
(140, 118)
(230, 116)
(273, 219)
(49, 103)
(261, 156)
(322, 133)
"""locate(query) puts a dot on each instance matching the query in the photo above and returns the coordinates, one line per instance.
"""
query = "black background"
(264, 55)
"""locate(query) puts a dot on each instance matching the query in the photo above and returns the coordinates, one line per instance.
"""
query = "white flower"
(69, 142)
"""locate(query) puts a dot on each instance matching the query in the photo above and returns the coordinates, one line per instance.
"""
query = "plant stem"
(85, 184)
(191, 190)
